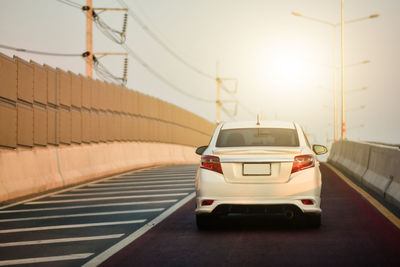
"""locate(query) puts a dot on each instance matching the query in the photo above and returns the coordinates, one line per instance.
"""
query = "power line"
(112, 34)
(162, 78)
(38, 52)
(162, 44)
(70, 3)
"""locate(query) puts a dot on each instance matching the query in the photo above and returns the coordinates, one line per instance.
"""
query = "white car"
(263, 167)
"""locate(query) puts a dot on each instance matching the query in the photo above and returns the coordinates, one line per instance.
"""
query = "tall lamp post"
(334, 26)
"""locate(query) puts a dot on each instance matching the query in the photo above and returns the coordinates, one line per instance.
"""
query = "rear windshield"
(258, 137)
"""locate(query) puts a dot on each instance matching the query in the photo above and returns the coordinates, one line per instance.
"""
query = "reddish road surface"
(352, 233)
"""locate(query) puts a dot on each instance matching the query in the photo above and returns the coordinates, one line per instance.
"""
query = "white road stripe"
(59, 240)
(103, 198)
(129, 187)
(155, 176)
(80, 215)
(124, 192)
(46, 259)
(131, 179)
(93, 206)
(68, 226)
(134, 183)
(98, 259)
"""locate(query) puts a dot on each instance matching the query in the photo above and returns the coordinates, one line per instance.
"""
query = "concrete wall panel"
(76, 127)
(25, 80)
(24, 125)
(95, 97)
(102, 95)
(52, 126)
(8, 125)
(65, 126)
(86, 123)
(86, 92)
(39, 83)
(39, 126)
(94, 126)
(76, 90)
(8, 78)
(64, 88)
(52, 85)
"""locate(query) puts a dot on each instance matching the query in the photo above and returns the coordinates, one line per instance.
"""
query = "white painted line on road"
(80, 215)
(96, 261)
(45, 259)
(62, 190)
(140, 176)
(59, 240)
(67, 226)
(134, 183)
(92, 206)
(103, 198)
(125, 192)
(129, 187)
(131, 179)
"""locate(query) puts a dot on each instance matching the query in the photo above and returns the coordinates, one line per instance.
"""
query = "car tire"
(313, 220)
(204, 221)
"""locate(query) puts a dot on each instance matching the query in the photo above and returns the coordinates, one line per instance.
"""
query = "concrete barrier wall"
(28, 171)
(58, 128)
(377, 167)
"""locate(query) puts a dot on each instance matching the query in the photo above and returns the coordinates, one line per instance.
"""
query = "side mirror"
(319, 149)
(200, 150)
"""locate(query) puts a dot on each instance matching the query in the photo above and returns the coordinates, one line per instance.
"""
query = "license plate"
(256, 168)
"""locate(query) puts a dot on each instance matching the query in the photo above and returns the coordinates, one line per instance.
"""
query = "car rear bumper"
(305, 185)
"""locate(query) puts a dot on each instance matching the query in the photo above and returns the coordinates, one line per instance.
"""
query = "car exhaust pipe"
(289, 213)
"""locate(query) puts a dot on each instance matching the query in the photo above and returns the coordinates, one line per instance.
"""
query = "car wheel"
(204, 221)
(313, 220)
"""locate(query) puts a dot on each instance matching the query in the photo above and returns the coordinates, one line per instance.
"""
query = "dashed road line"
(129, 187)
(80, 215)
(125, 192)
(60, 240)
(67, 226)
(96, 261)
(92, 206)
(104, 198)
(46, 259)
(137, 183)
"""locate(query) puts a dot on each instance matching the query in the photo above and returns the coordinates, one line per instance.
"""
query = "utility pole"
(343, 90)
(89, 38)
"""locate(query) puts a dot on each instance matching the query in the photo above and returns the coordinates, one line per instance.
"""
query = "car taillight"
(211, 163)
(302, 162)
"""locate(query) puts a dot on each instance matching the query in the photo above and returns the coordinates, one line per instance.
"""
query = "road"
(353, 233)
(77, 226)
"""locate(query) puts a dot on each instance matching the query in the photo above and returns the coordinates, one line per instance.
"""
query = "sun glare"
(285, 68)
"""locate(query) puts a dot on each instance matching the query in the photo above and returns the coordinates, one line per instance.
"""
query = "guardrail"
(377, 167)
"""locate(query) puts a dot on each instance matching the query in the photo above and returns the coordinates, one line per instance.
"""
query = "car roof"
(253, 124)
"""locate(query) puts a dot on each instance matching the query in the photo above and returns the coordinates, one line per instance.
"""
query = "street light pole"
(343, 136)
(334, 25)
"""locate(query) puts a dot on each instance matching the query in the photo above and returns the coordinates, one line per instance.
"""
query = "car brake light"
(302, 162)
(307, 201)
(211, 163)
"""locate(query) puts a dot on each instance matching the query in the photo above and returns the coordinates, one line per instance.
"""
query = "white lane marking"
(46, 259)
(134, 183)
(96, 261)
(92, 206)
(66, 189)
(80, 215)
(104, 198)
(155, 176)
(59, 240)
(114, 192)
(97, 189)
(150, 179)
(67, 226)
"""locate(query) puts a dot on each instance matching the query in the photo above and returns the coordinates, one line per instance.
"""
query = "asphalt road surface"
(353, 233)
(77, 226)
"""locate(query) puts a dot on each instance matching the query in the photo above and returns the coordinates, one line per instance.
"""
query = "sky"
(283, 63)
